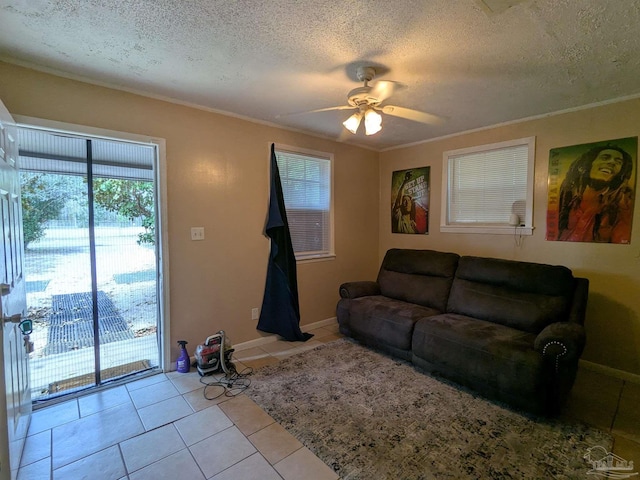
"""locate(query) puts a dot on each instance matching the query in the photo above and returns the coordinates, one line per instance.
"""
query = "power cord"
(232, 383)
(517, 238)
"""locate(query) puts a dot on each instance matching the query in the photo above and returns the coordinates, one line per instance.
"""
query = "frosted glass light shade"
(372, 122)
(353, 122)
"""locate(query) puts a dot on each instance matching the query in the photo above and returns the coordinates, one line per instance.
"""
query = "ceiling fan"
(367, 100)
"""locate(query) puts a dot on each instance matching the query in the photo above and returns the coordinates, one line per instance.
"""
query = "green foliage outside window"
(43, 197)
(131, 199)
(47, 197)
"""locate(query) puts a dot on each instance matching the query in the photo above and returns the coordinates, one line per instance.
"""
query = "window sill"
(487, 229)
(315, 258)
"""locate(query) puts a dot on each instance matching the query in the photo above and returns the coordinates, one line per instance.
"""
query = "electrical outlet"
(255, 314)
(197, 233)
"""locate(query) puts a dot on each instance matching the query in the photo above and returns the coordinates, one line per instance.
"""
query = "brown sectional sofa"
(511, 331)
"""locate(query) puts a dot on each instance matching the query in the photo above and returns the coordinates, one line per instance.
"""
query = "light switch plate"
(197, 233)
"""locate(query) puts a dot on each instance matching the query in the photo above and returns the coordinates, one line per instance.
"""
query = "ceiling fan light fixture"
(368, 100)
(353, 122)
(372, 122)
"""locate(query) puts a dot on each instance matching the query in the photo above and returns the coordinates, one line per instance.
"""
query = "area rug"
(370, 416)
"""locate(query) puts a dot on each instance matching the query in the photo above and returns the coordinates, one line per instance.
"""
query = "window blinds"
(487, 187)
(43, 151)
(307, 196)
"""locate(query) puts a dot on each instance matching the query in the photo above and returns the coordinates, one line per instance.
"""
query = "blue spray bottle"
(183, 364)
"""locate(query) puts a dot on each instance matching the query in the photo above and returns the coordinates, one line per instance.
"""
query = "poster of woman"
(591, 191)
(410, 201)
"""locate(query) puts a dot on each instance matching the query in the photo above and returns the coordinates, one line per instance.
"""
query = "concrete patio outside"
(58, 264)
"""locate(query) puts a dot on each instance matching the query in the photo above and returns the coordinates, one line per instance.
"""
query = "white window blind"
(45, 151)
(486, 185)
(306, 185)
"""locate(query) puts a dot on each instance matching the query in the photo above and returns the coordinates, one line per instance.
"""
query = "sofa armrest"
(561, 342)
(359, 289)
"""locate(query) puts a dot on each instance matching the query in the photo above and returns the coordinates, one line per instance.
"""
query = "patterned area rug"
(370, 416)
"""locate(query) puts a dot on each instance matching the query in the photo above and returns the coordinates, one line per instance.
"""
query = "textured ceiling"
(474, 62)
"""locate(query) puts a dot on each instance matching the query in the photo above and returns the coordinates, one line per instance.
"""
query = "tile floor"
(163, 427)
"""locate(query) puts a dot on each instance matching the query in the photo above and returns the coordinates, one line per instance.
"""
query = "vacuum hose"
(223, 364)
(233, 383)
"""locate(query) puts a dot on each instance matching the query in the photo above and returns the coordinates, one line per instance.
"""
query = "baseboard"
(272, 337)
(321, 323)
(610, 371)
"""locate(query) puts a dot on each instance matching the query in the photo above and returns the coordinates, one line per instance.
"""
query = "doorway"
(92, 259)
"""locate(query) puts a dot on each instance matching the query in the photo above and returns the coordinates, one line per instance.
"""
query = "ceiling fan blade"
(415, 115)
(383, 89)
(341, 107)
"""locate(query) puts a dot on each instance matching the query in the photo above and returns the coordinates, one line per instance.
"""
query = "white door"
(14, 373)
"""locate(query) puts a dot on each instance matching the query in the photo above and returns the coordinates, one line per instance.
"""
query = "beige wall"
(217, 177)
(613, 314)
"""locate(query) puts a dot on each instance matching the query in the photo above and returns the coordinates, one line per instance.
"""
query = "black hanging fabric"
(280, 311)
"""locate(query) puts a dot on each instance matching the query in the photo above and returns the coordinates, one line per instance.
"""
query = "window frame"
(303, 257)
(526, 223)
(162, 216)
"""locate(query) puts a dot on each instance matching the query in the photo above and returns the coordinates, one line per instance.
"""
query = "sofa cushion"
(422, 277)
(486, 356)
(385, 320)
(522, 295)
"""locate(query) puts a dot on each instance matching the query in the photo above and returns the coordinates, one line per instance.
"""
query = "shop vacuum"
(214, 356)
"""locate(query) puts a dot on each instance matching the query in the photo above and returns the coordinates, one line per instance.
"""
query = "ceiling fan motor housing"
(362, 96)
(366, 74)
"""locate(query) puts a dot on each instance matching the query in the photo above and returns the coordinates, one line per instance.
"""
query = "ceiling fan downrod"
(365, 74)
(362, 95)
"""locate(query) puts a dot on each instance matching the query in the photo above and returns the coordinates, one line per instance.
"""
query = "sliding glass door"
(91, 259)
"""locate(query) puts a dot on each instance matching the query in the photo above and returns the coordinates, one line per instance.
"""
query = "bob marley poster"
(591, 191)
(410, 201)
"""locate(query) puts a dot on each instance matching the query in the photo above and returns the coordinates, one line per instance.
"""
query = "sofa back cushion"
(522, 295)
(423, 277)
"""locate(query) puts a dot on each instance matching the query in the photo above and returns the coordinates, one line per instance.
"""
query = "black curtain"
(280, 311)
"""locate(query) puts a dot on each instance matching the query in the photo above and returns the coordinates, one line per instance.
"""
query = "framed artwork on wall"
(591, 191)
(410, 201)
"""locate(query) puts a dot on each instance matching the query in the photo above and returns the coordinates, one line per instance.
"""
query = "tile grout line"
(58, 426)
(616, 413)
(286, 456)
(100, 412)
(194, 459)
(129, 396)
(50, 456)
(124, 464)
(193, 411)
(137, 414)
(126, 468)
